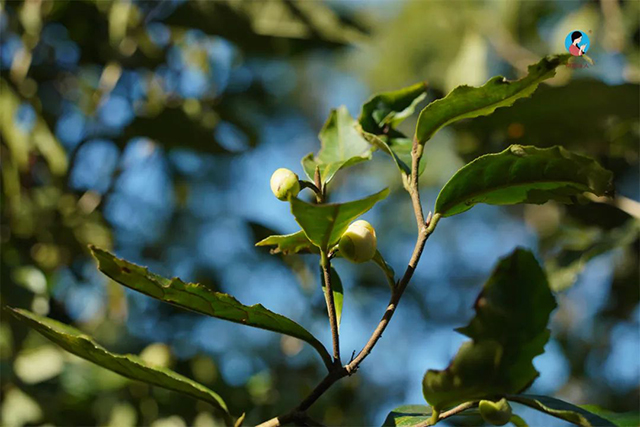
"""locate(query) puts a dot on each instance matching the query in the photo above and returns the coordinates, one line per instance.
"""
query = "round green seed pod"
(284, 183)
(496, 413)
(358, 243)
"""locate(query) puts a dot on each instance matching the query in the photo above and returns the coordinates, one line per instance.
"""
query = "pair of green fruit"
(357, 244)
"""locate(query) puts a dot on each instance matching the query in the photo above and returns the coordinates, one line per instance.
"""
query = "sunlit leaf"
(466, 102)
(523, 174)
(338, 292)
(198, 298)
(342, 146)
(289, 243)
(508, 331)
(325, 224)
(560, 409)
(128, 365)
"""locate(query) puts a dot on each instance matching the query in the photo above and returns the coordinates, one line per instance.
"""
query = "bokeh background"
(152, 128)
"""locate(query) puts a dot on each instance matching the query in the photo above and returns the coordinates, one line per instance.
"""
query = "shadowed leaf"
(390, 108)
(523, 174)
(382, 113)
(508, 331)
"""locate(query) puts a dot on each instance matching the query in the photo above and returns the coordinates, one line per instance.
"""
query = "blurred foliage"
(129, 124)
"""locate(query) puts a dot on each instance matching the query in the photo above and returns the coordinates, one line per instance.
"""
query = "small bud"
(496, 413)
(358, 243)
(284, 183)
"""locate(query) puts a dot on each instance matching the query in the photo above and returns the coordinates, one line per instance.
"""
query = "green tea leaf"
(560, 409)
(129, 366)
(466, 102)
(325, 224)
(195, 297)
(389, 109)
(413, 415)
(342, 146)
(289, 243)
(508, 331)
(338, 292)
(407, 416)
(523, 174)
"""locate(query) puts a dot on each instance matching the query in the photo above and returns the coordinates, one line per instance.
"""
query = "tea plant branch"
(425, 229)
(331, 307)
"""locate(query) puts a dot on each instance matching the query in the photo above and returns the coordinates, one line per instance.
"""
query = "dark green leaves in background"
(466, 102)
(198, 298)
(342, 146)
(128, 365)
(523, 174)
(324, 224)
(508, 331)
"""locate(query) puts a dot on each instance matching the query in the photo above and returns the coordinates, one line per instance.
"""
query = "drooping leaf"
(129, 366)
(289, 243)
(523, 174)
(466, 102)
(389, 109)
(625, 419)
(563, 269)
(324, 224)
(338, 292)
(561, 409)
(342, 146)
(508, 331)
(195, 297)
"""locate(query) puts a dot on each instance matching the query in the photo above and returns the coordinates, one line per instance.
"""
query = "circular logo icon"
(577, 43)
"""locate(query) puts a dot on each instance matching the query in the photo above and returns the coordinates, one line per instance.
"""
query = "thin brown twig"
(425, 229)
(450, 413)
(331, 306)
